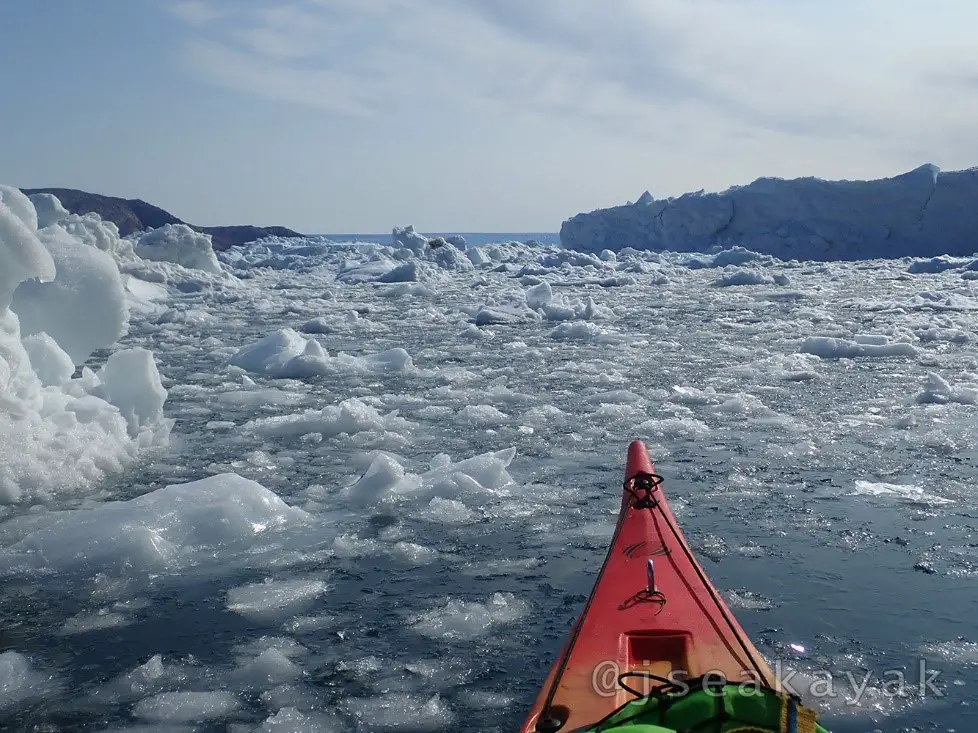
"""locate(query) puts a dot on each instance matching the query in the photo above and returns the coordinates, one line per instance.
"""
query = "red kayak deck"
(680, 629)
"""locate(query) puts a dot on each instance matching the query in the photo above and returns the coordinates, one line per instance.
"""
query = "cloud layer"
(677, 66)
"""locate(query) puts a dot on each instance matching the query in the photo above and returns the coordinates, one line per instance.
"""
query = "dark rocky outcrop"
(135, 215)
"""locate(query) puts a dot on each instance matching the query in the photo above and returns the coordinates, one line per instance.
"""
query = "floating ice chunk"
(482, 416)
(274, 601)
(935, 265)
(408, 272)
(871, 339)
(187, 707)
(473, 333)
(20, 682)
(104, 618)
(539, 296)
(131, 382)
(158, 530)
(939, 391)
(408, 238)
(291, 720)
(618, 396)
(466, 620)
(828, 347)
(487, 470)
(414, 553)
(584, 331)
(353, 546)
(180, 244)
(478, 256)
(735, 256)
(367, 272)
(744, 404)
(17, 203)
(694, 396)
(395, 360)
(272, 353)
(320, 325)
(456, 240)
(384, 473)
(544, 416)
(900, 492)
(259, 397)
(350, 417)
(49, 209)
(559, 312)
(401, 711)
(489, 316)
(91, 230)
(22, 256)
(446, 511)
(49, 361)
(748, 600)
(743, 277)
(408, 289)
(148, 678)
(269, 668)
(286, 354)
(84, 308)
(675, 427)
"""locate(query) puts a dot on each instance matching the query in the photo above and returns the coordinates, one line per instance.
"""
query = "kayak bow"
(655, 621)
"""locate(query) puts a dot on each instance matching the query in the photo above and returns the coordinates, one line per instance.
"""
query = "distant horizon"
(443, 231)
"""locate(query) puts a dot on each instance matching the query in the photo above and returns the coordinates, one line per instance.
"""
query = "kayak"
(656, 649)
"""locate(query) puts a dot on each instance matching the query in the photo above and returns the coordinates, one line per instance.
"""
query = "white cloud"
(884, 78)
(194, 12)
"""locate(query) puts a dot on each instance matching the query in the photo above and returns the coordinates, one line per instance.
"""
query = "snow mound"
(49, 209)
(92, 230)
(162, 530)
(287, 354)
(84, 308)
(66, 297)
(51, 364)
(21, 253)
(922, 213)
(180, 244)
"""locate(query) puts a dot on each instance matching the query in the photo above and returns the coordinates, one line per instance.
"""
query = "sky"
(356, 116)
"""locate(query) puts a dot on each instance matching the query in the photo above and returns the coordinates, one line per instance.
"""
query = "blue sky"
(473, 115)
